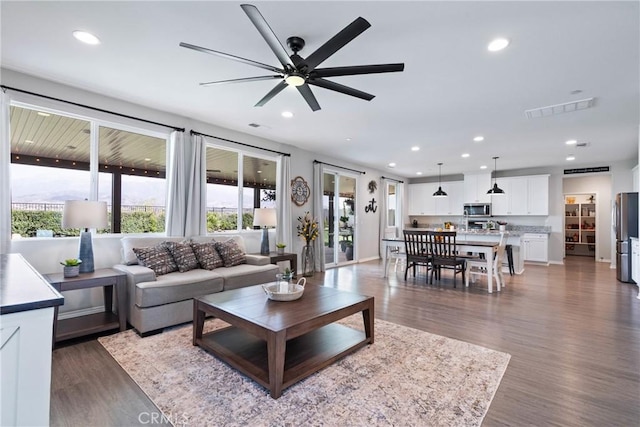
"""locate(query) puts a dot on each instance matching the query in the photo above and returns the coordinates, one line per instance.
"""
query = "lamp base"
(85, 253)
(264, 242)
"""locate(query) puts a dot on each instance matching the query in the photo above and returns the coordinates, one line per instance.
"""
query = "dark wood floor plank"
(573, 332)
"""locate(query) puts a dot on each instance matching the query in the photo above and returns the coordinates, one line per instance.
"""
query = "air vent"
(582, 144)
(254, 125)
(567, 107)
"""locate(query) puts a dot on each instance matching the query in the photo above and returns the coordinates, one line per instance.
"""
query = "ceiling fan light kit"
(302, 72)
(495, 189)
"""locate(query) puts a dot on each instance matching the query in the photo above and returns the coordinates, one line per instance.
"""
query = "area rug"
(406, 378)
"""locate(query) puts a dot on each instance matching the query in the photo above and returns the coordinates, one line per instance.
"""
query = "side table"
(74, 327)
(275, 258)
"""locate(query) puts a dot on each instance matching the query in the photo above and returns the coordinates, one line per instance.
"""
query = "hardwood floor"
(573, 333)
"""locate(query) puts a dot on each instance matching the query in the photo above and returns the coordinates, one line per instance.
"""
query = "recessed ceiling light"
(287, 114)
(418, 173)
(392, 165)
(478, 138)
(43, 114)
(570, 157)
(28, 141)
(258, 171)
(483, 167)
(415, 148)
(348, 139)
(465, 155)
(147, 159)
(498, 44)
(571, 142)
(86, 37)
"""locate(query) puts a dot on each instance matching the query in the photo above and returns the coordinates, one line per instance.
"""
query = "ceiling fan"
(302, 72)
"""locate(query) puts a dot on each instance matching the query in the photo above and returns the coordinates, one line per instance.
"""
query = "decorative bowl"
(285, 291)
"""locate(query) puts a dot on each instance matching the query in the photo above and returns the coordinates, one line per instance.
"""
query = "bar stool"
(509, 250)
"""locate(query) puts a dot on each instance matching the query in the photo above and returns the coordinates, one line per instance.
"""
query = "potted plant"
(280, 248)
(287, 275)
(349, 250)
(71, 267)
(344, 221)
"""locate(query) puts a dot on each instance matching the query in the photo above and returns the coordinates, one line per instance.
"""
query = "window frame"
(95, 122)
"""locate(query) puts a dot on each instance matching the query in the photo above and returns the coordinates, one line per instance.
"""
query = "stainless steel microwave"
(477, 209)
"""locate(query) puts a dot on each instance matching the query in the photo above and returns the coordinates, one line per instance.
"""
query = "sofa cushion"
(130, 242)
(207, 255)
(177, 286)
(183, 255)
(243, 275)
(231, 253)
(238, 239)
(158, 258)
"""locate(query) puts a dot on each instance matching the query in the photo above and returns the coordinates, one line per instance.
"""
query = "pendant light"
(495, 189)
(439, 193)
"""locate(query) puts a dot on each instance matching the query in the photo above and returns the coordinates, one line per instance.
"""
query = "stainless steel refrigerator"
(625, 215)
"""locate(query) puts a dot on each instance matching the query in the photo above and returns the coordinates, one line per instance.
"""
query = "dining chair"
(416, 245)
(478, 267)
(444, 254)
(396, 254)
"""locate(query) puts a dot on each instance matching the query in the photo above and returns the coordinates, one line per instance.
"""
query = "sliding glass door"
(339, 217)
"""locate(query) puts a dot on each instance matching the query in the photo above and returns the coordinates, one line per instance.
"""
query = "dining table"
(488, 249)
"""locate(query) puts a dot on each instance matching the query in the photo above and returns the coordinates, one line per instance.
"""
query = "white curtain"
(196, 197)
(399, 205)
(318, 176)
(5, 187)
(283, 202)
(384, 212)
(176, 186)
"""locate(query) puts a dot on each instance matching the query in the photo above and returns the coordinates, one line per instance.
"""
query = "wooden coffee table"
(278, 343)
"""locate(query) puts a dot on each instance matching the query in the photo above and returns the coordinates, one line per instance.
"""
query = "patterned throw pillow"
(231, 253)
(158, 258)
(183, 256)
(207, 255)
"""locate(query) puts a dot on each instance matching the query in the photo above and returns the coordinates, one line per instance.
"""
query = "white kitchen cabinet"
(523, 195)
(453, 203)
(535, 247)
(422, 202)
(635, 260)
(476, 187)
(538, 195)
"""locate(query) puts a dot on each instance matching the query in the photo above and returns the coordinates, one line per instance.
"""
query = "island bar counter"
(27, 303)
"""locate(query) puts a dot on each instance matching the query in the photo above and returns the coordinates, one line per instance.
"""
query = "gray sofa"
(155, 302)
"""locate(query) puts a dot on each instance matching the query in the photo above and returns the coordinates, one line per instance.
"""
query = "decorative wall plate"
(300, 191)
(373, 186)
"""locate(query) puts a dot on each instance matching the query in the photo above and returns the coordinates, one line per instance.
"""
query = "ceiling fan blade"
(308, 96)
(357, 69)
(341, 88)
(276, 90)
(243, 80)
(267, 34)
(233, 57)
(336, 43)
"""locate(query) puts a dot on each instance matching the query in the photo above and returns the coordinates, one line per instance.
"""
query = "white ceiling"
(452, 88)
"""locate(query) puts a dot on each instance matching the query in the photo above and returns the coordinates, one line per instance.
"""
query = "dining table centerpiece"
(308, 230)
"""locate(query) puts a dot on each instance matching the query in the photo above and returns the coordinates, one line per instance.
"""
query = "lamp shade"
(84, 214)
(264, 217)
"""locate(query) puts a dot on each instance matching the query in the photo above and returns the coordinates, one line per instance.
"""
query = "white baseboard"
(372, 258)
(556, 262)
(81, 312)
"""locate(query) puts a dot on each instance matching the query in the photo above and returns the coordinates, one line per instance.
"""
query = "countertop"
(512, 233)
(22, 288)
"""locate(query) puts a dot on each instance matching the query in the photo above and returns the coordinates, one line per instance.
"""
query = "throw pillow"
(207, 255)
(158, 258)
(183, 255)
(231, 253)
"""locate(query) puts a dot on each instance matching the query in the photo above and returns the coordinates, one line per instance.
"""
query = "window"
(236, 184)
(52, 160)
(391, 205)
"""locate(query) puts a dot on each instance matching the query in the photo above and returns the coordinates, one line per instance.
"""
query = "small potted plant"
(287, 275)
(71, 267)
(280, 248)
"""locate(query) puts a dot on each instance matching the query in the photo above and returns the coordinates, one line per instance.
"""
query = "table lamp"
(264, 217)
(85, 214)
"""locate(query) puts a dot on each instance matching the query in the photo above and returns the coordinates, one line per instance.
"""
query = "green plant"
(344, 219)
(308, 228)
(287, 273)
(281, 245)
(71, 262)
